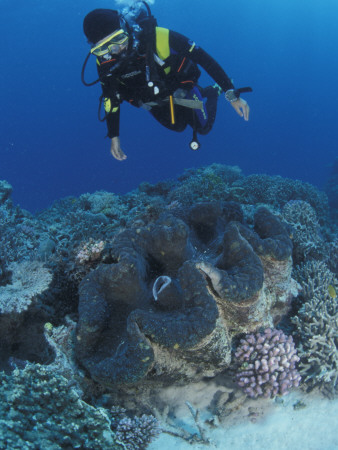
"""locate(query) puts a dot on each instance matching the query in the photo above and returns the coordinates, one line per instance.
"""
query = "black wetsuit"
(125, 80)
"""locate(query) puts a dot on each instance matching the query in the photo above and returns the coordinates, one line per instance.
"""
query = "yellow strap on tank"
(172, 111)
(162, 45)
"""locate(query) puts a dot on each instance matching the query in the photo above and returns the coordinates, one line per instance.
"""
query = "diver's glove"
(116, 150)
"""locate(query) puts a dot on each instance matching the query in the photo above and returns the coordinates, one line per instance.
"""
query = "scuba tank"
(139, 19)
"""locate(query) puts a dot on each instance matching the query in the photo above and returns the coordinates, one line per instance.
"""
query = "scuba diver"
(157, 69)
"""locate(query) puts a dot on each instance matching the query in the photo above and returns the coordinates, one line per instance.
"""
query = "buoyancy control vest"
(178, 68)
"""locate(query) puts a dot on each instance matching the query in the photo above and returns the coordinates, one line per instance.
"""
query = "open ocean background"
(52, 145)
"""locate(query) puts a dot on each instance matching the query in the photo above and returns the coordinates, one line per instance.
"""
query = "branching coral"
(306, 236)
(314, 278)
(317, 327)
(268, 364)
(332, 257)
(138, 432)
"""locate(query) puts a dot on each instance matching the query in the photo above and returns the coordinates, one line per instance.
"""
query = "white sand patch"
(279, 425)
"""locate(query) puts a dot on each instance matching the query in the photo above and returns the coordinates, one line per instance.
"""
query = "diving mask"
(113, 44)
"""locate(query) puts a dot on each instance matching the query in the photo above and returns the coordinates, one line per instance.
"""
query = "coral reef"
(316, 327)
(28, 280)
(21, 317)
(205, 184)
(306, 236)
(39, 409)
(314, 278)
(90, 251)
(18, 229)
(186, 268)
(5, 191)
(332, 256)
(277, 191)
(102, 202)
(61, 341)
(136, 433)
(268, 364)
(124, 336)
(332, 186)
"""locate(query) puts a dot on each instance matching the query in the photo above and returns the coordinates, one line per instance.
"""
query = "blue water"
(52, 145)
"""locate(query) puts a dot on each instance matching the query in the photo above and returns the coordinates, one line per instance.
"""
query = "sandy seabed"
(279, 424)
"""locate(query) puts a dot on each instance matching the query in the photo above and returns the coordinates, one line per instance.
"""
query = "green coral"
(306, 234)
(39, 410)
(103, 202)
(207, 183)
(277, 191)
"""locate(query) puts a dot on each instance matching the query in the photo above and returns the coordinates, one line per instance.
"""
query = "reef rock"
(178, 292)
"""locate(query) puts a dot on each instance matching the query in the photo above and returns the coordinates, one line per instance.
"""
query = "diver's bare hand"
(116, 150)
(242, 108)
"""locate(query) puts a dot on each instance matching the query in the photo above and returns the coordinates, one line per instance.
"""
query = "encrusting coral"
(277, 191)
(40, 409)
(28, 280)
(20, 316)
(268, 364)
(90, 251)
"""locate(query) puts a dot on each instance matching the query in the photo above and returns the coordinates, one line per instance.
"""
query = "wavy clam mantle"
(178, 291)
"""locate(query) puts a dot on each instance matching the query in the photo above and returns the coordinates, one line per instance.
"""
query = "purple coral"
(137, 433)
(268, 364)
